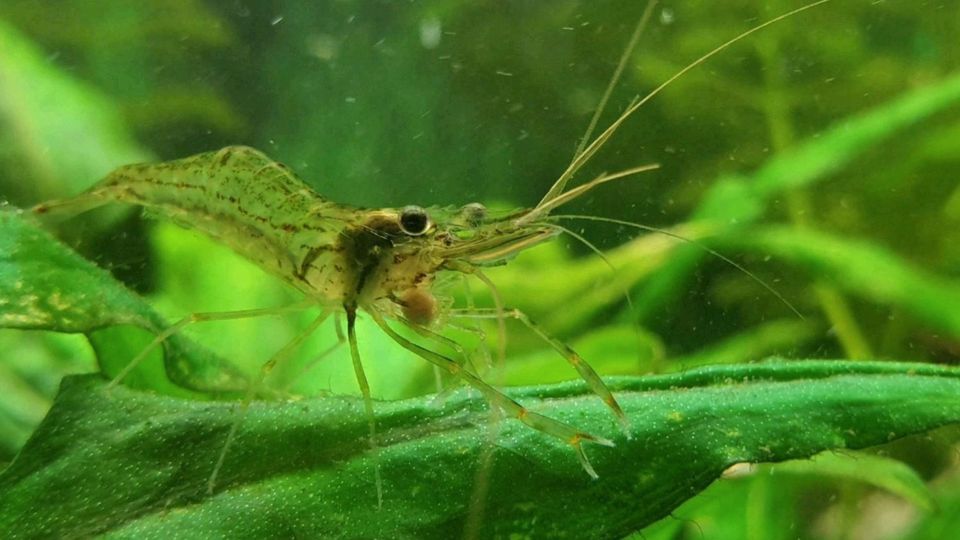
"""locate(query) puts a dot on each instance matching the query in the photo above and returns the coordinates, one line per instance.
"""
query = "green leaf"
(864, 269)
(883, 472)
(944, 523)
(136, 464)
(753, 507)
(753, 344)
(59, 134)
(736, 201)
(46, 286)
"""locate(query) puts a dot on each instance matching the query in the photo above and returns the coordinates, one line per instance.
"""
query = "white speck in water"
(350, 99)
(431, 31)
(276, 20)
(666, 16)
(323, 46)
(504, 73)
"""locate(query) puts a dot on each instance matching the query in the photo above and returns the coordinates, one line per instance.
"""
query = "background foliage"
(768, 150)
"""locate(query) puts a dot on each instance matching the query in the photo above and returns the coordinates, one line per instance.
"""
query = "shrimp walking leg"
(586, 372)
(265, 370)
(365, 391)
(201, 317)
(461, 356)
(509, 406)
(313, 363)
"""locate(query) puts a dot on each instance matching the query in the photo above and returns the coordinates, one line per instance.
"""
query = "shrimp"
(382, 262)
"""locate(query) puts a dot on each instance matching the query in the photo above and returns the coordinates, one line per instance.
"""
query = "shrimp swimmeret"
(382, 262)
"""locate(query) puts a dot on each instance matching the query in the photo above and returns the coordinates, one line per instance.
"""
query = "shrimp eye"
(474, 213)
(414, 220)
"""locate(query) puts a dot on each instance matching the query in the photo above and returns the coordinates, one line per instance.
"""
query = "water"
(426, 103)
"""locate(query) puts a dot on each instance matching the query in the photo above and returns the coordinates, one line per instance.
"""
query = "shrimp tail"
(57, 210)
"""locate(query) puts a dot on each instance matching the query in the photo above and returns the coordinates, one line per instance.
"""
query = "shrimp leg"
(537, 421)
(203, 317)
(341, 339)
(265, 370)
(587, 373)
(365, 391)
(461, 355)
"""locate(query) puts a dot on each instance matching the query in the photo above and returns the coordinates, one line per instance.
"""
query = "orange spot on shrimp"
(419, 306)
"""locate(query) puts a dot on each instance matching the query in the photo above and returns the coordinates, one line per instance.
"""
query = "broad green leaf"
(46, 286)
(136, 464)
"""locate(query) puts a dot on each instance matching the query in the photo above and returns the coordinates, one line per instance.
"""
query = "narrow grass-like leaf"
(136, 464)
(753, 344)
(946, 522)
(737, 201)
(863, 269)
(883, 472)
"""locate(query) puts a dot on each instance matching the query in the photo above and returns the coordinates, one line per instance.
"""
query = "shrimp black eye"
(414, 220)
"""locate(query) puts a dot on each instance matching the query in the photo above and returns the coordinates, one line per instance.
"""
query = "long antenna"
(582, 158)
(691, 241)
(627, 53)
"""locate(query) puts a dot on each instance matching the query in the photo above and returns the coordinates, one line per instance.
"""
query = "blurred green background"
(435, 102)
